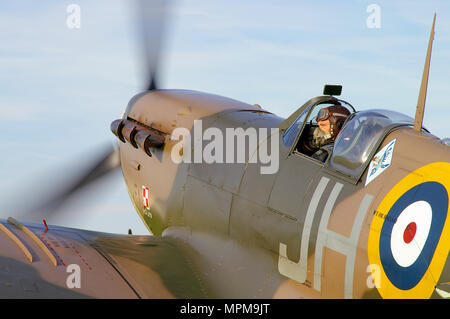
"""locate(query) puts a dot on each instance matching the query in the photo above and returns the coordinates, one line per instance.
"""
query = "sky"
(61, 87)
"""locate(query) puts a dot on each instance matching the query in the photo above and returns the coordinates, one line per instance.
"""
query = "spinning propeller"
(150, 17)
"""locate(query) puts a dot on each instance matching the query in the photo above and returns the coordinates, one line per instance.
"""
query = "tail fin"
(423, 87)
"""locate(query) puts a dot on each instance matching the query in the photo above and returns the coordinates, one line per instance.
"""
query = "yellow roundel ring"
(409, 237)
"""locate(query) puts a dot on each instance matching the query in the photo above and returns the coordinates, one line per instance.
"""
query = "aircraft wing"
(71, 263)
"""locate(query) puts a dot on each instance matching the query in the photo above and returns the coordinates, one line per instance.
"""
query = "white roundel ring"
(410, 232)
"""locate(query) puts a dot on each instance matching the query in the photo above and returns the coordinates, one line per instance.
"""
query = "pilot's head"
(330, 120)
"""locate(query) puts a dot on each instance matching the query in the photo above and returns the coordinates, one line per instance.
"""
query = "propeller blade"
(151, 19)
(107, 162)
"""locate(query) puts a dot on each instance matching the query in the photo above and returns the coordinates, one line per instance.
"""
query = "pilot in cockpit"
(330, 121)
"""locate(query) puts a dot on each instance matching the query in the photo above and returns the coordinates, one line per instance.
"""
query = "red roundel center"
(410, 232)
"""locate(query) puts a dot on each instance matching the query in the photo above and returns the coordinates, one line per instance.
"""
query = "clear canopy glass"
(360, 135)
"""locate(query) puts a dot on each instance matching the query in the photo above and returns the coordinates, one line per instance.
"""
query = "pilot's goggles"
(323, 115)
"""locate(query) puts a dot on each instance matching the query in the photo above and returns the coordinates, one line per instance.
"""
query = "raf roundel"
(424, 209)
(411, 243)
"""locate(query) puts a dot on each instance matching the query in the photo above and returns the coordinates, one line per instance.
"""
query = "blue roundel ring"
(436, 196)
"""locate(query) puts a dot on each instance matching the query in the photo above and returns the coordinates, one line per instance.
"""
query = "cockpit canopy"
(360, 137)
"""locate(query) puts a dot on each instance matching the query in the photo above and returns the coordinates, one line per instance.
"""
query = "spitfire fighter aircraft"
(370, 221)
